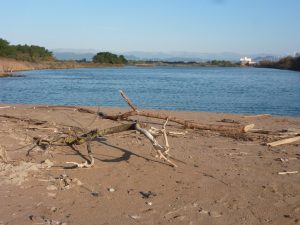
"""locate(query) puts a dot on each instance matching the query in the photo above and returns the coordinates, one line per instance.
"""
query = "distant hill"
(194, 56)
(73, 56)
(77, 54)
(181, 56)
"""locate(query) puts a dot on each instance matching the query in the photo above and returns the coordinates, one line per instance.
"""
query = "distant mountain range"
(74, 54)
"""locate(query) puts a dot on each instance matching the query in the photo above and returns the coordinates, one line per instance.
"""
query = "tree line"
(287, 63)
(109, 58)
(34, 53)
(31, 53)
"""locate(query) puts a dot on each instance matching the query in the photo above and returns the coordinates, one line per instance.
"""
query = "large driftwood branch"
(98, 133)
(91, 135)
(185, 123)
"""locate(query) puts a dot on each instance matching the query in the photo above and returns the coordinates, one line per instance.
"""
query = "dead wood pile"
(71, 136)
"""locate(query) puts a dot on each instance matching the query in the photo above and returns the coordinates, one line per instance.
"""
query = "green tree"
(25, 52)
(109, 58)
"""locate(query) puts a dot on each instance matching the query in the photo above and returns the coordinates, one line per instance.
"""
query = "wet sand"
(221, 178)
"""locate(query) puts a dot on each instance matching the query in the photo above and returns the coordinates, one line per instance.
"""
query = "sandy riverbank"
(220, 179)
(9, 66)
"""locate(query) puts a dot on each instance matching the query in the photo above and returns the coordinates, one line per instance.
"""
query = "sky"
(206, 26)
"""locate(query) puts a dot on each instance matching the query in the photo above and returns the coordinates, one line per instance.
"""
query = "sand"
(220, 179)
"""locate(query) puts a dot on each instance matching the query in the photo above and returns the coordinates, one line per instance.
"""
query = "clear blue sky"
(254, 26)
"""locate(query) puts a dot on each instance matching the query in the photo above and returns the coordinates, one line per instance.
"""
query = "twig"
(287, 172)
(31, 121)
(154, 131)
(167, 148)
(129, 102)
(155, 144)
(85, 164)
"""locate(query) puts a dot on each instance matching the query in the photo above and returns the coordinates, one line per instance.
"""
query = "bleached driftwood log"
(287, 172)
(185, 123)
(284, 141)
(256, 116)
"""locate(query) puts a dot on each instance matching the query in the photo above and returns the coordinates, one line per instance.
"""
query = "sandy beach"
(221, 178)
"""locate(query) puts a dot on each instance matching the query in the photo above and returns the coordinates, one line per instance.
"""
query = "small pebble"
(195, 204)
(149, 203)
(77, 181)
(95, 194)
(214, 214)
(111, 189)
(203, 211)
(53, 209)
(51, 194)
(47, 164)
(136, 217)
(51, 188)
(181, 218)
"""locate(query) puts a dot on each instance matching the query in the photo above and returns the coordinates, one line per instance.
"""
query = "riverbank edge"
(119, 109)
(9, 66)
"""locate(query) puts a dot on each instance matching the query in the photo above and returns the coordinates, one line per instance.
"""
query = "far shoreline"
(8, 67)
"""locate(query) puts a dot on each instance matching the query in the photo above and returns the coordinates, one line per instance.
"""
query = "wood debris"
(70, 135)
(287, 172)
(257, 116)
(185, 123)
(284, 141)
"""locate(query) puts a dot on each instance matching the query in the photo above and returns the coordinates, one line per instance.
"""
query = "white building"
(246, 61)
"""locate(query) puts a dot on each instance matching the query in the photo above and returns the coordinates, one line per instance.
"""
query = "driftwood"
(185, 123)
(29, 120)
(5, 107)
(163, 152)
(75, 108)
(64, 137)
(93, 134)
(156, 132)
(287, 172)
(257, 116)
(90, 136)
(284, 141)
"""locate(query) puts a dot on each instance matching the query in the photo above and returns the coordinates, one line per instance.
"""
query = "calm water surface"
(232, 90)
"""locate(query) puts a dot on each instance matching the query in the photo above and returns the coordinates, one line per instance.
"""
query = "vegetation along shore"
(24, 57)
(32, 57)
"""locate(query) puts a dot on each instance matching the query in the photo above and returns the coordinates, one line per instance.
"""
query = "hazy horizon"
(192, 26)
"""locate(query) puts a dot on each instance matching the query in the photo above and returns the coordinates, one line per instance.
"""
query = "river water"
(213, 89)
